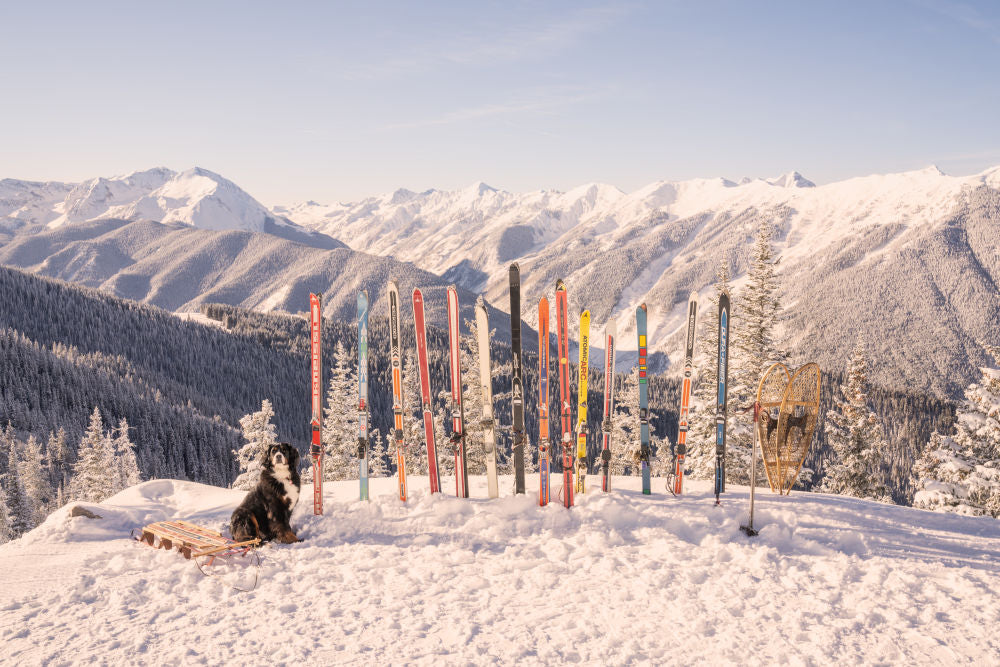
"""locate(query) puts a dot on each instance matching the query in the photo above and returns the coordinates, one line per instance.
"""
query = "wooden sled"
(212, 553)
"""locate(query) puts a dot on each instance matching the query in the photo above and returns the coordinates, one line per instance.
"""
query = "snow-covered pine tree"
(93, 473)
(126, 468)
(259, 433)
(700, 458)
(57, 460)
(8, 440)
(625, 440)
(472, 400)
(6, 529)
(18, 507)
(961, 473)
(34, 481)
(858, 467)
(340, 423)
(378, 456)
(754, 350)
(415, 451)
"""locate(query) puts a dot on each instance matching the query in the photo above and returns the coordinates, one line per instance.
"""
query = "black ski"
(517, 387)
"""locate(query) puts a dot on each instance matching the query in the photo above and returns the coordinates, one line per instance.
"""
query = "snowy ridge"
(195, 197)
(830, 580)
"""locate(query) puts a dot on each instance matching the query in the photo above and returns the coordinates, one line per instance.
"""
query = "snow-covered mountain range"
(195, 197)
(909, 261)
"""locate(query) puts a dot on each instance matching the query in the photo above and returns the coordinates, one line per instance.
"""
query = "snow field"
(621, 578)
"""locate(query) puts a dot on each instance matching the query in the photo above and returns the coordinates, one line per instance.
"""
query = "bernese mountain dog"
(267, 509)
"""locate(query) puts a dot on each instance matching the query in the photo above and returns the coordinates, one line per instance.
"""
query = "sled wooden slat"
(192, 540)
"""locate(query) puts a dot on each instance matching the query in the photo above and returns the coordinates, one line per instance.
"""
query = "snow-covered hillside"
(619, 579)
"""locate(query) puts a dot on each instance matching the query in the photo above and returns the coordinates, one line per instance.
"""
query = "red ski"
(425, 389)
(543, 401)
(315, 312)
(562, 335)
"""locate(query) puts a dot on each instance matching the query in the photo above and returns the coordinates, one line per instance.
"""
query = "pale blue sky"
(335, 101)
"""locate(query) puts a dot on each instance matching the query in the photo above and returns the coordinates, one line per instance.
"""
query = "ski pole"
(749, 529)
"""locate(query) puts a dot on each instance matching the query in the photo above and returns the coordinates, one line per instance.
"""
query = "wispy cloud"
(492, 45)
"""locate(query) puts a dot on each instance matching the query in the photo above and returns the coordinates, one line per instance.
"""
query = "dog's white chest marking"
(282, 474)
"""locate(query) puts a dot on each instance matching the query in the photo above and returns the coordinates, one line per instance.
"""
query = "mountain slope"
(843, 249)
(179, 268)
(829, 580)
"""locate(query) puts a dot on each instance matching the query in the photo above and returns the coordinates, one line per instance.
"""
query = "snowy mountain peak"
(792, 179)
(197, 197)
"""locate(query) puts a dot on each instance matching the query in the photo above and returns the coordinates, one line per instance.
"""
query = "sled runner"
(214, 554)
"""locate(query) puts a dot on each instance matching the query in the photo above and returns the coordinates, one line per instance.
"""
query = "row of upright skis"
(570, 463)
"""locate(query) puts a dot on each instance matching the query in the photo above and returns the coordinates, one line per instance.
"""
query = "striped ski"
(640, 330)
(610, 340)
(722, 375)
(517, 386)
(363, 391)
(396, 366)
(562, 341)
(486, 385)
(581, 404)
(682, 425)
(316, 450)
(425, 390)
(543, 401)
(457, 410)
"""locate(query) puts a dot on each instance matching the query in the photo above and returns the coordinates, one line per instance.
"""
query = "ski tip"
(452, 290)
(560, 285)
(363, 298)
(514, 268)
(642, 307)
(693, 297)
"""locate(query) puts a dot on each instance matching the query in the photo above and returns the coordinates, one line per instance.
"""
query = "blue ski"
(640, 330)
(720, 407)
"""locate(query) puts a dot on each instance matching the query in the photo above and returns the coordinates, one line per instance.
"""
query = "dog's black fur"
(267, 509)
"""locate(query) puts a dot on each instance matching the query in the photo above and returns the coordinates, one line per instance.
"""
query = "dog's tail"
(244, 525)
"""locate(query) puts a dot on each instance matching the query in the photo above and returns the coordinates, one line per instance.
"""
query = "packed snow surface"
(621, 578)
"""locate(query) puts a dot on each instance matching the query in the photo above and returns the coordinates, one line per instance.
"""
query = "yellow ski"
(581, 405)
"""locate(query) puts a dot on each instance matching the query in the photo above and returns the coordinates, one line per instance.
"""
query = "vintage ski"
(517, 387)
(722, 374)
(425, 389)
(396, 366)
(315, 312)
(682, 426)
(486, 384)
(363, 391)
(610, 340)
(644, 454)
(581, 404)
(562, 345)
(457, 410)
(543, 401)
